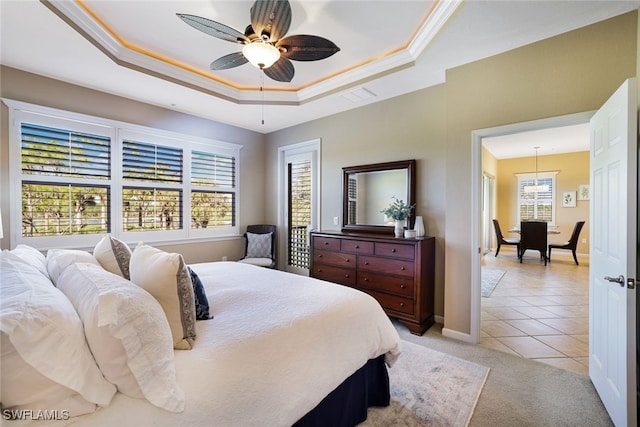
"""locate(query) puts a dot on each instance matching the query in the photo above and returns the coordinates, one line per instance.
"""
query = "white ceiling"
(555, 140)
(141, 50)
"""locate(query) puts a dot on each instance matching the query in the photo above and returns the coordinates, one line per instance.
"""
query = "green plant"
(398, 210)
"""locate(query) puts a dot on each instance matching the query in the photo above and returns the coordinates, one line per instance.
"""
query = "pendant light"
(536, 188)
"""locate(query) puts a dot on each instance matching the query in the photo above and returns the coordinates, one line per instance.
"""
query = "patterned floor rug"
(489, 279)
(429, 388)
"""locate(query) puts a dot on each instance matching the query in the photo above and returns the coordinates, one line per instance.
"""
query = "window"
(539, 204)
(80, 176)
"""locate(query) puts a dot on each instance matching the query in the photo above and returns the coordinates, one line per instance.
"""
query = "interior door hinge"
(631, 283)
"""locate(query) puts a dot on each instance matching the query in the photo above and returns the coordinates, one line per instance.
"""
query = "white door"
(612, 304)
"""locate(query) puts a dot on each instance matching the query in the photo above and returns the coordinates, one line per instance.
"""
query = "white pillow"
(165, 276)
(24, 388)
(127, 332)
(47, 334)
(33, 257)
(113, 255)
(59, 259)
(258, 245)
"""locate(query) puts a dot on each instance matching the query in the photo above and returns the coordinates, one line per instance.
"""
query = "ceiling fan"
(264, 45)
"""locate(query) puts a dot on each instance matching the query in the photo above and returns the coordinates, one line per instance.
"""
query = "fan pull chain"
(262, 93)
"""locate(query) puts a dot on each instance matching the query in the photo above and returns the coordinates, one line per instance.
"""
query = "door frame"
(476, 197)
(314, 148)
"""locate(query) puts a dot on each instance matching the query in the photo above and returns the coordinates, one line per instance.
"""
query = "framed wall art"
(583, 192)
(568, 199)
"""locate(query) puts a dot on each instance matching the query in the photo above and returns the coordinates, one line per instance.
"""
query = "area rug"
(489, 279)
(429, 388)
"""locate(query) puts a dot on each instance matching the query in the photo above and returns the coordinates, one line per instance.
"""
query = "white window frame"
(24, 112)
(533, 176)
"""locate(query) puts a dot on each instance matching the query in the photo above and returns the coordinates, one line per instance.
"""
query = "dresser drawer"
(392, 302)
(396, 267)
(326, 243)
(336, 259)
(395, 250)
(395, 285)
(357, 246)
(344, 276)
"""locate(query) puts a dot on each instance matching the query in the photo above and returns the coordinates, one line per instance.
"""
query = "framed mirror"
(369, 189)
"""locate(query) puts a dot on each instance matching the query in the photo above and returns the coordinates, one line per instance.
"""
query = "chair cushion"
(261, 262)
(258, 245)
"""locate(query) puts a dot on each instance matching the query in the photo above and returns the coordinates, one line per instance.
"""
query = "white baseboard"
(450, 333)
(438, 319)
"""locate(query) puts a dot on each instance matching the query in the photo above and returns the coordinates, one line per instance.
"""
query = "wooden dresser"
(397, 272)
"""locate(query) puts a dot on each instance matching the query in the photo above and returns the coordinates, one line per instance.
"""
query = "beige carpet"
(429, 388)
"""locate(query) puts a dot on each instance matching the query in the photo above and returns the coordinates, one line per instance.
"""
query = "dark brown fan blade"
(281, 71)
(272, 17)
(307, 48)
(214, 28)
(229, 61)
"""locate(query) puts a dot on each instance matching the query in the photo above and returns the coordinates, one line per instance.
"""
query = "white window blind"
(538, 205)
(76, 176)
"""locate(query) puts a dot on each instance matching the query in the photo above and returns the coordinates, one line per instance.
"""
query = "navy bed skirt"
(347, 405)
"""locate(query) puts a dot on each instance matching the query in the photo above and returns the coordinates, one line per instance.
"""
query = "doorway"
(481, 205)
(298, 203)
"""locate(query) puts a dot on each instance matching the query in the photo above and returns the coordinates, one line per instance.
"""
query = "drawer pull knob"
(326, 243)
(357, 246)
(319, 270)
(366, 263)
(346, 276)
(320, 256)
(402, 286)
(402, 268)
(347, 259)
(401, 304)
(366, 279)
(393, 250)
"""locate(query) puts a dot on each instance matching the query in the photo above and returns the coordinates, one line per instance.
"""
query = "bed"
(281, 350)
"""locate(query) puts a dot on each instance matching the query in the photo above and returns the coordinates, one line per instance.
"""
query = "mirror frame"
(410, 198)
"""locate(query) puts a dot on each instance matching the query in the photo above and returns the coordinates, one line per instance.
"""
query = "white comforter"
(278, 344)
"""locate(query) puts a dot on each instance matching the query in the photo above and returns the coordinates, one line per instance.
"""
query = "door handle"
(619, 280)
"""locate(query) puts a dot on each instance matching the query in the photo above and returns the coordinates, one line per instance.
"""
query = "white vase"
(399, 227)
(419, 227)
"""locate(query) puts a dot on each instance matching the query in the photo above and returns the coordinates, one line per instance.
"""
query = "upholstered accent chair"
(260, 245)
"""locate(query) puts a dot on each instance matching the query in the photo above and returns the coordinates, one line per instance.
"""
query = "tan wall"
(570, 73)
(407, 127)
(28, 87)
(490, 168)
(573, 170)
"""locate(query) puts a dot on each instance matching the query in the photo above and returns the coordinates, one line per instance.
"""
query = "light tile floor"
(539, 312)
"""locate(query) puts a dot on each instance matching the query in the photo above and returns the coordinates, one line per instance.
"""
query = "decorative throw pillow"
(47, 335)
(59, 259)
(166, 277)
(259, 245)
(114, 255)
(202, 303)
(127, 332)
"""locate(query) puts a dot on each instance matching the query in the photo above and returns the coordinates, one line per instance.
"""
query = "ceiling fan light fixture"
(261, 54)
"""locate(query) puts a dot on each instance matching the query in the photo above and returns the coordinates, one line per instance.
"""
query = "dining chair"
(533, 235)
(572, 244)
(502, 241)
